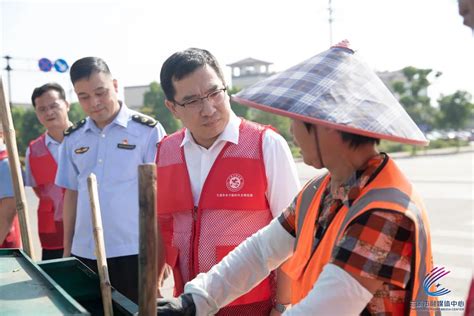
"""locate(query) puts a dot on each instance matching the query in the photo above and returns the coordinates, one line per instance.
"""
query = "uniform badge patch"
(81, 150)
(125, 145)
(235, 182)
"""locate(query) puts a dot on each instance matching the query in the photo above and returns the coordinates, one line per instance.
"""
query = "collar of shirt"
(349, 191)
(3, 147)
(121, 119)
(49, 140)
(230, 133)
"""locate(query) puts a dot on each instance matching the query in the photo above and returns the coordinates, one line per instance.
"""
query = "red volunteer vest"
(51, 197)
(231, 208)
(389, 190)
(13, 239)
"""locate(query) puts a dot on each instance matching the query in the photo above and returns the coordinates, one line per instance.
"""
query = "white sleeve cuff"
(335, 293)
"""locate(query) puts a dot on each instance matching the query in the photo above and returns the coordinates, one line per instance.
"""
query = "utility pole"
(330, 22)
(8, 68)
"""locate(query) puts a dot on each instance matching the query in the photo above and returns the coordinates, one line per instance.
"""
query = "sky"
(135, 37)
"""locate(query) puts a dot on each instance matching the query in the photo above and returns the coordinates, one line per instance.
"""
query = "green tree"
(27, 127)
(75, 112)
(239, 110)
(413, 95)
(280, 123)
(456, 110)
(154, 105)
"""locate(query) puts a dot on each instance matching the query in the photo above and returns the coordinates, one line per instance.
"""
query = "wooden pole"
(15, 168)
(147, 268)
(105, 287)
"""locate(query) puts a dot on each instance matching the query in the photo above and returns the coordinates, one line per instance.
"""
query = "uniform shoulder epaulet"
(145, 120)
(74, 127)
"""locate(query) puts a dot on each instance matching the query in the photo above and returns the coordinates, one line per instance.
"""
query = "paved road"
(446, 183)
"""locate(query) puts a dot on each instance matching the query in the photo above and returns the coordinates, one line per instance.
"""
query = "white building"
(248, 71)
(134, 95)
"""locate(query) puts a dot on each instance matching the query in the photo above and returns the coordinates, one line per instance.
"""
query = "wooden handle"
(15, 168)
(147, 268)
(105, 287)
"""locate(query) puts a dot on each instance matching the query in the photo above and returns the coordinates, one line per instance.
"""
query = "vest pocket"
(259, 293)
(46, 224)
(172, 259)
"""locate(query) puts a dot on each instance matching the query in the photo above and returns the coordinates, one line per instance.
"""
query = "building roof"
(249, 62)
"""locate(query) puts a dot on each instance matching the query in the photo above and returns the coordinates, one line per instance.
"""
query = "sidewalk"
(426, 152)
(434, 152)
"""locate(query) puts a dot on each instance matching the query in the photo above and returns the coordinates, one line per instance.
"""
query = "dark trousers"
(123, 273)
(48, 254)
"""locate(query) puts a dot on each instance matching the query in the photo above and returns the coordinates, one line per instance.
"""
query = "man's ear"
(115, 84)
(172, 107)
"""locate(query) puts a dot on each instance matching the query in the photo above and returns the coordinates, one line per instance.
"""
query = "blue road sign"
(61, 65)
(45, 64)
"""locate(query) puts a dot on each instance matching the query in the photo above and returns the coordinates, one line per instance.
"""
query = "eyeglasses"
(44, 109)
(215, 96)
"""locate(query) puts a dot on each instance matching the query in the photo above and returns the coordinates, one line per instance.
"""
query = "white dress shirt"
(282, 178)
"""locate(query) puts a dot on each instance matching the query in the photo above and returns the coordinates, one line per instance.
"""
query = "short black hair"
(37, 92)
(354, 140)
(85, 67)
(183, 63)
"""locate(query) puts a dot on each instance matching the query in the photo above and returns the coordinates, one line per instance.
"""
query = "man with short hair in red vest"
(220, 179)
(51, 107)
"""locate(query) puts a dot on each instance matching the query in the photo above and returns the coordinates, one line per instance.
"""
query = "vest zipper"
(193, 240)
(195, 209)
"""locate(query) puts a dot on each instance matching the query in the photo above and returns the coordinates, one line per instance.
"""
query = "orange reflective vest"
(389, 190)
(51, 197)
(13, 238)
(232, 207)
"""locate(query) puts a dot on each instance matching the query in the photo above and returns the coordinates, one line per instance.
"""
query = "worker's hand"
(182, 305)
(66, 253)
(158, 293)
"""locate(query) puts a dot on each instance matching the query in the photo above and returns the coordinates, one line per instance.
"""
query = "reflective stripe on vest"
(232, 206)
(382, 193)
(307, 196)
(51, 197)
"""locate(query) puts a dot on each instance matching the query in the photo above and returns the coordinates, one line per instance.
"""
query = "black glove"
(182, 305)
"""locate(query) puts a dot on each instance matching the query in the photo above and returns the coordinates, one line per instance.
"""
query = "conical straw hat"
(335, 89)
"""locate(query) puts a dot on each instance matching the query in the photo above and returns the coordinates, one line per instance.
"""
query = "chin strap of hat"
(320, 157)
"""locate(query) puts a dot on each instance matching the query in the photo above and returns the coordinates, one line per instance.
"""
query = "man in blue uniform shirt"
(9, 229)
(111, 142)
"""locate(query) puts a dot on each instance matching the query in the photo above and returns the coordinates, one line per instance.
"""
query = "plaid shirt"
(378, 244)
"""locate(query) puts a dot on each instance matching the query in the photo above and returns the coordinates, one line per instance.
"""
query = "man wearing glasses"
(51, 107)
(220, 179)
